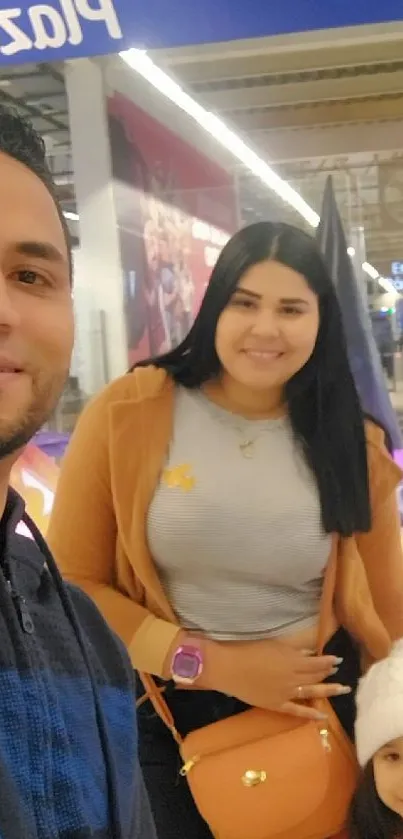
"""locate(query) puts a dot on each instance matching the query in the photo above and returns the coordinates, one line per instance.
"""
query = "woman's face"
(269, 328)
(388, 773)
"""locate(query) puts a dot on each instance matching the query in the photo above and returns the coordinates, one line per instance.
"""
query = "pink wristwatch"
(187, 665)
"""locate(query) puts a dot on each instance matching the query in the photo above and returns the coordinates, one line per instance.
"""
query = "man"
(68, 750)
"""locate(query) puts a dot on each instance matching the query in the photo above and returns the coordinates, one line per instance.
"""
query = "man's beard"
(44, 400)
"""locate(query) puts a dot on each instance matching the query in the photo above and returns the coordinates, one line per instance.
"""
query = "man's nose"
(9, 315)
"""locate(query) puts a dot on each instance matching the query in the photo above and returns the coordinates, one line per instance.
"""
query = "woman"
(198, 498)
(377, 808)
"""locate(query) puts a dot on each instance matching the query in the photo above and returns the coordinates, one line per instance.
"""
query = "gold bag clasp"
(253, 777)
(188, 766)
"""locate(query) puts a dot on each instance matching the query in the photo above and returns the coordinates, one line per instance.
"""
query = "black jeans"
(175, 814)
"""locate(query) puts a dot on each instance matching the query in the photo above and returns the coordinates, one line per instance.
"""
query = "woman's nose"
(266, 324)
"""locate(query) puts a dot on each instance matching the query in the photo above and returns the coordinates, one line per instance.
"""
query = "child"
(377, 809)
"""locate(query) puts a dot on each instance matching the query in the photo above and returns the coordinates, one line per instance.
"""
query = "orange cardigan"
(98, 527)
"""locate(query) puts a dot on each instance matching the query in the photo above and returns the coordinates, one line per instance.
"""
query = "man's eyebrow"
(41, 250)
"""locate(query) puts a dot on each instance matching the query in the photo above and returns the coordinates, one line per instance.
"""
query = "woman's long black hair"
(322, 399)
(369, 817)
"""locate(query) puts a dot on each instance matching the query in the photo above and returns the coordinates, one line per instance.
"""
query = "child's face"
(388, 773)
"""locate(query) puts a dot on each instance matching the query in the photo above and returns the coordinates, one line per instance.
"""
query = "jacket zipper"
(22, 610)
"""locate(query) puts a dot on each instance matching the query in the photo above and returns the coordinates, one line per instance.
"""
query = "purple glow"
(398, 457)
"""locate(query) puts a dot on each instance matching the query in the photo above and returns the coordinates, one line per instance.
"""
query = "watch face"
(187, 664)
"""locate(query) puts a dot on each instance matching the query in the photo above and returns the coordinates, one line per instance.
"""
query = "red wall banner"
(176, 209)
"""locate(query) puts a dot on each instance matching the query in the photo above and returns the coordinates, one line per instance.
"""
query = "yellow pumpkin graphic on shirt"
(179, 477)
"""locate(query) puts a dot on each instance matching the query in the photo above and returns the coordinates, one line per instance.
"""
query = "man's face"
(36, 312)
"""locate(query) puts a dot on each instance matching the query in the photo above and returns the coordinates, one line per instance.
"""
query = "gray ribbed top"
(237, 540)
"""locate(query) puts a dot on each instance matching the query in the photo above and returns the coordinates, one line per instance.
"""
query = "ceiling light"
(71, 216)
(388, 286)
(139, 61)
(370, 270)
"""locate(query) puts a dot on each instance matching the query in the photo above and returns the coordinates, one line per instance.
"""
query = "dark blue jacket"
(68, 737)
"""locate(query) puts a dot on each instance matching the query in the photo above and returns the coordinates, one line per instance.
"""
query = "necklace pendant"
(247, 448)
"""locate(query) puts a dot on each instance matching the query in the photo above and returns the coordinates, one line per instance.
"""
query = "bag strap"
(154, 693)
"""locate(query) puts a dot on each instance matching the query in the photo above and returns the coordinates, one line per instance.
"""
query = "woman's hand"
(270, 675)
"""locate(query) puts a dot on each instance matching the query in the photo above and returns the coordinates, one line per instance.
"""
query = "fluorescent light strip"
(370, 270)
(139, 61)
(387, 286)
(71, 216)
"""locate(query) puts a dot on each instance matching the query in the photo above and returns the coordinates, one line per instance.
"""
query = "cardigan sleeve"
(83, 534)
(381, 548)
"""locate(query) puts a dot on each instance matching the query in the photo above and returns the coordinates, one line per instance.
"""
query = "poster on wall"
(176, 209)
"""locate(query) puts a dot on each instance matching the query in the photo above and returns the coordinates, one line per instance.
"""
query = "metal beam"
(47, 94)
(306, 144)
(286, 65)
(298, 76)
(389, 107)
(55, 74)
(31, 110)
(53, 131)
(20, 77)
(55, 115)
(311, 92)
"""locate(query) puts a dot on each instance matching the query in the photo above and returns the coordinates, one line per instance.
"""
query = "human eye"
(243, 302)
(392, 757)
(291, 310)
(30, 277)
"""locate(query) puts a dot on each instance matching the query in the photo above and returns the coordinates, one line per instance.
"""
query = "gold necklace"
(247, 445)
(247, 449)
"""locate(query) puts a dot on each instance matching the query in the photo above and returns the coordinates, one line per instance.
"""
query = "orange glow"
(35, 476)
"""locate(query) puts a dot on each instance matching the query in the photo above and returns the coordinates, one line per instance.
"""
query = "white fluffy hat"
(380, 705)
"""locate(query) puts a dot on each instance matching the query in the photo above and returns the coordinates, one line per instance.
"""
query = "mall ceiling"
(39, 92)
(312, 105)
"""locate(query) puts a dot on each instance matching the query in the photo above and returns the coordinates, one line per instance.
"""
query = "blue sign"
(170, 23)
(397, 269)
(33, 31)
(62, 29)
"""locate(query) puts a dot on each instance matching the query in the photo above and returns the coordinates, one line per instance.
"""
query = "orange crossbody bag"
(266, 775)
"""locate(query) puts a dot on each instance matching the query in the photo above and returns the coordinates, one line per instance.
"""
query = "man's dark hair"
(19, 140)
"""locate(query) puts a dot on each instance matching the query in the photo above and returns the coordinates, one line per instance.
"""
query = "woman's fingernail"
(338, 661)
(334, 671)
(319, 716)
(344, 689)
(308, 652)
